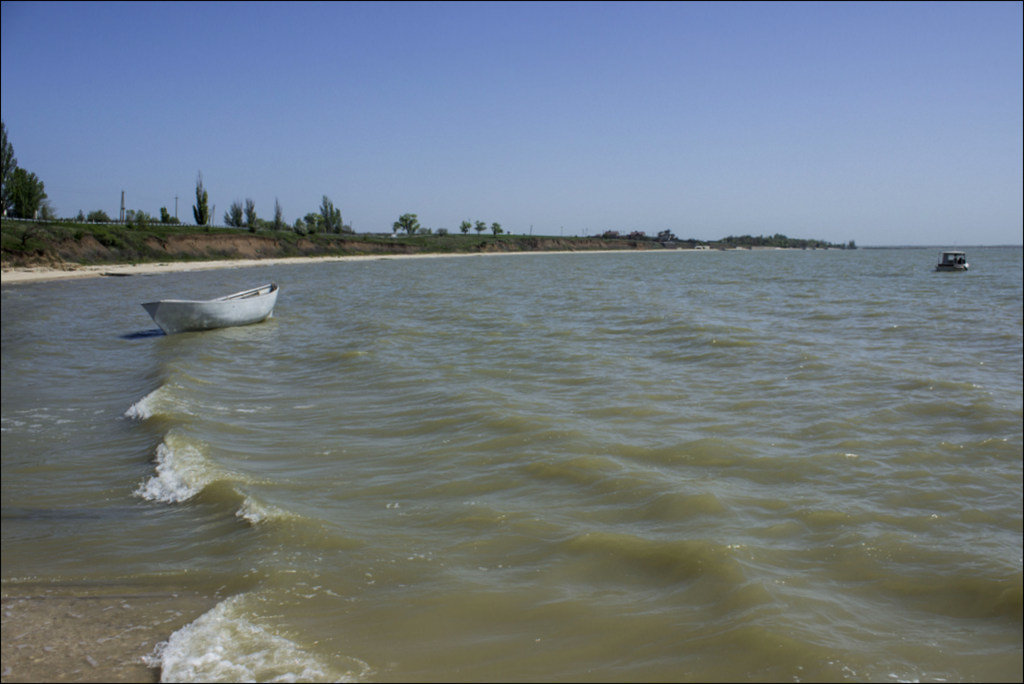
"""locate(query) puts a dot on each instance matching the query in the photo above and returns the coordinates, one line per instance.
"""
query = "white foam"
(165, 399)
(256, 512)
(228, 645)
(144, 407)
(181, 472)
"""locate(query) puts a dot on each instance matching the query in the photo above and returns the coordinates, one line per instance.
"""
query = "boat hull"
(242, 308)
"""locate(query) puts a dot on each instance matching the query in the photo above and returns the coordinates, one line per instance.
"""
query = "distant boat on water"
(952, 261)
(241, 308)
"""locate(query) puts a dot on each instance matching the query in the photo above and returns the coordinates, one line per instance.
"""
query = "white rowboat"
(240, 308)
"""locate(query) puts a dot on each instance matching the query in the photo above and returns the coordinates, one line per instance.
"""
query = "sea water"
(648, 466)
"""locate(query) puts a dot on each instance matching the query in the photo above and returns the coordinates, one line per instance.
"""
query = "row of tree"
(22, 194)
(411, 225)
(479, 227)
(777, 240)
(326, 220)
(780, 240)
(663, 236)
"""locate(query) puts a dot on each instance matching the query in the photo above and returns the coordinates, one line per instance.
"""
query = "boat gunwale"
(252, 293)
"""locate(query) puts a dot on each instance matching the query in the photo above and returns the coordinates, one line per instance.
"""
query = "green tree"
(165, 216)
(407, 222)
(278, 216)
(465, 227)
(7, 166)
(98, 216)
(201, 209)
(313, 222)
(496, 228)
(480, 227)
(329, 216)
(137, 218)
(27, 193)
(233, 216)
(250, 215)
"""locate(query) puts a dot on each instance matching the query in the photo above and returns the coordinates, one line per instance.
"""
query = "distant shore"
(57, 250)
(14, 275)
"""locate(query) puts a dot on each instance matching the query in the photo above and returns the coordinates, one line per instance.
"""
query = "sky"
(882, 123)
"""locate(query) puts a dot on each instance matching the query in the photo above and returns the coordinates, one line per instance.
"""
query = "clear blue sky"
(883, 123)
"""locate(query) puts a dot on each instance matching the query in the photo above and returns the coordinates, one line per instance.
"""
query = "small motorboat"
(240, 308)
(952, 261)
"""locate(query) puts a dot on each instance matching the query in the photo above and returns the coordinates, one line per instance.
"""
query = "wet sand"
(89, 633)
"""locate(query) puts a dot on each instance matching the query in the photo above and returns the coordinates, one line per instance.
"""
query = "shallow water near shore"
(653, 466)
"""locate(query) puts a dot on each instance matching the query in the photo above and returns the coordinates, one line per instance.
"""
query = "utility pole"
(175, 207)
(122, 206)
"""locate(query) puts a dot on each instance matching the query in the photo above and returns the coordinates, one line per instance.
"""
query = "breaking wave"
(182, 471)
(228, 644)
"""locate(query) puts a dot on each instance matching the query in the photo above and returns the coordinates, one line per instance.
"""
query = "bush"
(109, 238)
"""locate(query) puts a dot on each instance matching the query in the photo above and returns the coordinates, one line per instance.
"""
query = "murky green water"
(588, 467)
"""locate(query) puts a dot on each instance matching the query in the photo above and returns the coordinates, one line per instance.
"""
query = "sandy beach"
(36, 274)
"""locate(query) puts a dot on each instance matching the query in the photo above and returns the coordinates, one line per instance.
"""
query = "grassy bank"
(53, 244)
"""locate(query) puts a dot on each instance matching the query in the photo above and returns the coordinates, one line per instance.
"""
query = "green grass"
(33, 242)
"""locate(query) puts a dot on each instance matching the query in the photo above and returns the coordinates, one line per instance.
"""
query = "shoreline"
(31, 274)
(91, 632)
